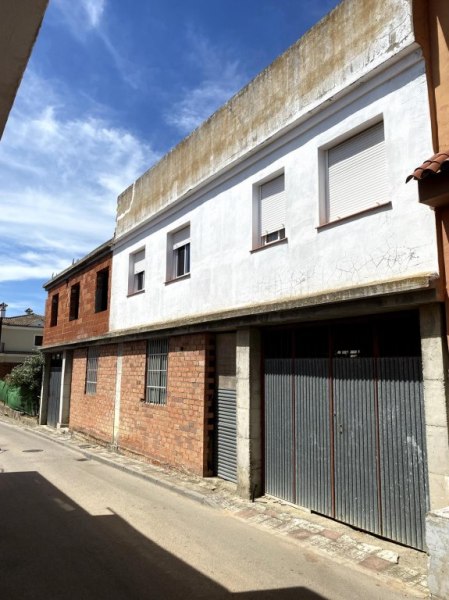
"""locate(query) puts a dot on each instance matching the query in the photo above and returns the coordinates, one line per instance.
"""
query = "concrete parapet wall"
(350, 42)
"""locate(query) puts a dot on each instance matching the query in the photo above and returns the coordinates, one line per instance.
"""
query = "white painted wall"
(378, 246)
(20, 339)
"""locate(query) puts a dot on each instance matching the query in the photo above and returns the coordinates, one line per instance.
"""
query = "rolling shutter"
(357, 174)
(181, 237)
(272, 205)
(139, 262)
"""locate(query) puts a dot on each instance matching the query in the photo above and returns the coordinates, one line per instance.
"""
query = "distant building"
(21, 337)
(276, 292)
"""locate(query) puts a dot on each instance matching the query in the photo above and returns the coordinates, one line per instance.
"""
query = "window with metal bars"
(157, 363)
(92, 370)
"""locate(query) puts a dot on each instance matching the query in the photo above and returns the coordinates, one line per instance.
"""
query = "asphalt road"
(75, 529)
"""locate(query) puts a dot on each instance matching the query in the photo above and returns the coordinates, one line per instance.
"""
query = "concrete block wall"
(89, 323)
(176, 433)
(93, 414)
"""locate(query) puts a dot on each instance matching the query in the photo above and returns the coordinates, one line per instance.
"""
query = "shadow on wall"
(51, 549)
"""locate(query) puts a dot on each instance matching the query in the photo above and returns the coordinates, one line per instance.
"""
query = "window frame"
(324, 217)
(54, 310)
(102, 290)
(156, 357)
(136, 280)
(92, 366)
(74, 304)
(262, 240)
(178, 251)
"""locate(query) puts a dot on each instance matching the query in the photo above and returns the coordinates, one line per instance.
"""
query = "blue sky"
(110, 87)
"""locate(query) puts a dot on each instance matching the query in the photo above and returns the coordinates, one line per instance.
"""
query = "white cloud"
(81, 15)
(221, 78)
(59, 180)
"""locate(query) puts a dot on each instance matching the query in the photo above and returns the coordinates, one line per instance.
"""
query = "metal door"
(344, 437)
(225, 454)
(54, 394)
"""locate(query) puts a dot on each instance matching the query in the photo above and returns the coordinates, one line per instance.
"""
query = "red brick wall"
(93, 414)
(178, 432)
(89, 323)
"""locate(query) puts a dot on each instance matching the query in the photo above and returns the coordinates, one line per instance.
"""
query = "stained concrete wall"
(354, 39)
(378, 246)
(437, 538)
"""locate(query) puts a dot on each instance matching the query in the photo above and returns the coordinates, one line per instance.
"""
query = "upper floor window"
(179, 253)
(74, 302)
(271, 209)
(38, 340)
(101, 290)
(54, 310)
(356, 175)
(137, 272)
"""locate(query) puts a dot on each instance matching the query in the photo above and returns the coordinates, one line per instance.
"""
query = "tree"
(28, 375)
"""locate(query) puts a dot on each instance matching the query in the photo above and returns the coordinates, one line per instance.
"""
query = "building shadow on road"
(50, 548)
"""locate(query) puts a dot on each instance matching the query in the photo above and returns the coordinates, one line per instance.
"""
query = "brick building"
(274, 313)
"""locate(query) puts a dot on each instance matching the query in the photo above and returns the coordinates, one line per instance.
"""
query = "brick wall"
(89, 323)
(177, 433)
(93, 414)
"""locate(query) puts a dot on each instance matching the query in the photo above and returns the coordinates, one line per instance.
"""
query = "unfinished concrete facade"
(268, 266)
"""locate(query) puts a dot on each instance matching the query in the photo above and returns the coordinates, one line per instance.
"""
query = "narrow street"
(72, 528)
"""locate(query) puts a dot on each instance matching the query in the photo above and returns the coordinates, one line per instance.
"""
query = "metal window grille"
(157, 361)
(92, 370)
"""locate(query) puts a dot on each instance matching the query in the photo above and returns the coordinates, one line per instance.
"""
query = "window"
(137, 272)
(92, 370)
(157, 360)
(54, 310)
(101, 290)
(38, 340)
(179, 261)
(74, 302)
(271, 211)
(356, 174)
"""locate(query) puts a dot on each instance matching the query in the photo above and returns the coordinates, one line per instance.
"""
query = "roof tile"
(434, 165)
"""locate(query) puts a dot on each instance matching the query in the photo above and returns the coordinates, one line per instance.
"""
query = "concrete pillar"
(249, 413)
(43, 403)
(66, 386)
(118, 393)
(437, 538)
(434, 360)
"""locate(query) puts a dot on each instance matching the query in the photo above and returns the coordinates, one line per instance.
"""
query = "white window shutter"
(357, 174)
(139, 262)
(181, 237)
(273, 204)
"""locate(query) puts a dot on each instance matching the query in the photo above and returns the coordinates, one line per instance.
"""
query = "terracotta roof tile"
(32, 320)
(434, 165)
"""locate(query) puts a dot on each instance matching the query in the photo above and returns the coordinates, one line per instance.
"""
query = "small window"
(92, 370)
(137, 272)
(180, 253)
(101, 290)
(272, 210)
(157, 362)
(54, 310)
(356, 174)
(38, 340)
(74, 302)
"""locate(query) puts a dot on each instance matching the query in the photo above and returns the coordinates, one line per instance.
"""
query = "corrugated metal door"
(225, 454)
(54, 394)
(344, 437)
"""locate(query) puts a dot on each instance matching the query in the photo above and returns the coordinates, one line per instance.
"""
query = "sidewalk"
(403, 568)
